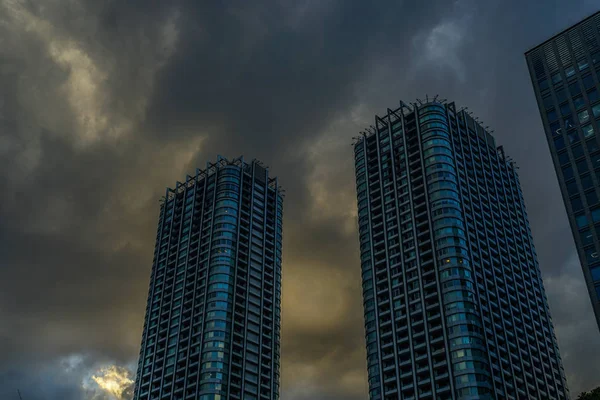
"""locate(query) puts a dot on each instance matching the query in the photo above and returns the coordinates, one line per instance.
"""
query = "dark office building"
(565, 74)
(453, 297)
(212, 324)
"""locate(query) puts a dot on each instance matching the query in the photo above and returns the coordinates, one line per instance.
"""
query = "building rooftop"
(596, 14)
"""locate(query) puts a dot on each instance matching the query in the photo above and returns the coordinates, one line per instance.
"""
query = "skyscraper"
(212, 322)
(566, 80)
(453, 297)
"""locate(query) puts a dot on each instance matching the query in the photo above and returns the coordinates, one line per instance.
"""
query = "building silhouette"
(212, 324)
(566, 80)
(454, 303)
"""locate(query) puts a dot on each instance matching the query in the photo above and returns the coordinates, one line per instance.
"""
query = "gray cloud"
(103, 104)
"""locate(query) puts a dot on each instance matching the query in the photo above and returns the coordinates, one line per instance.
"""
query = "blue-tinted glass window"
(593, 95)
(577, 151)
(565, 109)
(588, 81)
(592, 145)
(579, 102)
(555, 128)
(574, 88)
(595, 274)
(551, 115)
(596, 110)
(570, 71)
(591, 256)
(583, 116)
(598, 292)
(581, 220)
(557, 77)
(588, 130)
(573, 137)
(586, 237)
(572, 188)
(567, 172)
(582, 166)
(583, 65)
(576, 204)
(596, 214)
(563, 158)
(559, 143)
(569, 122)
(596, 57)
(543, 83)
(548, 102)
(561, 95)
(591, 198)
(586, 182)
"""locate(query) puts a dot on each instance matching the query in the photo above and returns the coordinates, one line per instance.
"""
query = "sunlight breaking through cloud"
(113, 380)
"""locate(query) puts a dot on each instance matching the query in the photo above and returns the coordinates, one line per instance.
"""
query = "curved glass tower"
(453, 297)
(212, 322)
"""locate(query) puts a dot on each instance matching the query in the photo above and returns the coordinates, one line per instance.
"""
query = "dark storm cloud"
(102, 104)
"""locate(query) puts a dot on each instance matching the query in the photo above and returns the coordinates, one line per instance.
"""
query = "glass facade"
(565, 72)
(212, 324)
(454, 303)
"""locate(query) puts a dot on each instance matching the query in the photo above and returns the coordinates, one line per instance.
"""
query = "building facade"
(212, 324)
(565, 72)
(454, 303)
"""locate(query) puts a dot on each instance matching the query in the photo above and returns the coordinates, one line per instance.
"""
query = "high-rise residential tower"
(212, 322)
(453, 297)
(566, 80)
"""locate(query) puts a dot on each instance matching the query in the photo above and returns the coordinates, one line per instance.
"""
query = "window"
(596, 57)
(596, 110)
(574, 88)
(567, 172)
(592, 145)
(591, 256)
(582, 166)
(591, 198)
(595, 274)
(581, 220)
(583, 116)
(593, 95)
(565, 109)
(596, 214)
(561, 95)
(583, 64)
(548, 102)
(556, 78)
(576, 204)
(573, 137)
(555, 128)
(569, 122)
(586, 237)
(563, 158)
(586, 182)
(572, 188)
(588, 131)
(577, 151)
(551, 115)
(543, 84)
(559, 143)
(588, 81)
(579, 102)
(570, 71)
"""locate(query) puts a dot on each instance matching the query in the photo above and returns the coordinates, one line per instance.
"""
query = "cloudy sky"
(105, 103)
